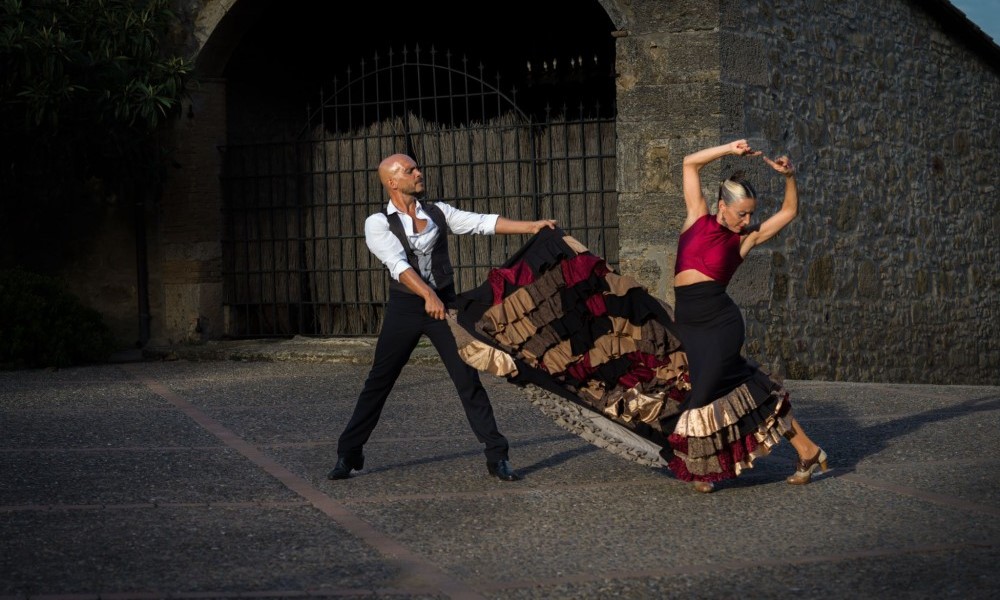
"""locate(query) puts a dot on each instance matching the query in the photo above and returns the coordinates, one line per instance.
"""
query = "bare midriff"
(690, 276)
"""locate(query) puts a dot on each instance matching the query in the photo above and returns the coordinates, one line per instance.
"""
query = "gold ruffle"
(575, 244)
(641, 407)
(677, 366)
(609, 347)
(486, 358)
(702, 452)
(506, 321)
(621, 326)
(559, 357)
(722, 413)
(479, 354)
(633, 404)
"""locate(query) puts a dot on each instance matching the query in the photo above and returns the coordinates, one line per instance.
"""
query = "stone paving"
(201, 473)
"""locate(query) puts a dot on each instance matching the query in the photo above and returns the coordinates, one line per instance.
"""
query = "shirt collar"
(392, 208)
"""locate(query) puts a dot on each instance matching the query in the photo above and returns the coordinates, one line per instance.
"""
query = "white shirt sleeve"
(460, 221)
(384, 244)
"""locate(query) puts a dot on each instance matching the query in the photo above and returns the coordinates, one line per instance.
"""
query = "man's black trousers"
(405, 321)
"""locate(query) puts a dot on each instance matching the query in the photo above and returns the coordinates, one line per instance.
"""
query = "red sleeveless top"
(709, 248)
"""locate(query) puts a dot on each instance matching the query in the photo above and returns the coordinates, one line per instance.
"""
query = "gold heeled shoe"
(704, 487)
(805, 468)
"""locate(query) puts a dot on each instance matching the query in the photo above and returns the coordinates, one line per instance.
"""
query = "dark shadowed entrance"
(297, 191)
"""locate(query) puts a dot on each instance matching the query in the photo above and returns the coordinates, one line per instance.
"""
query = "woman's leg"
(811, 456)
(805, 447)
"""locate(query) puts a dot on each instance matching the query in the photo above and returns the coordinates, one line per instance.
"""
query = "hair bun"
(736, 187)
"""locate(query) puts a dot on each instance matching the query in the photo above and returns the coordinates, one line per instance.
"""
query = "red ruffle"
(738, 451)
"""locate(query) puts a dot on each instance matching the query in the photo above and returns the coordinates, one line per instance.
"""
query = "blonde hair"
(736, 188)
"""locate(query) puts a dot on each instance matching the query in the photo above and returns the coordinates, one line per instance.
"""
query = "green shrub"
(43, 325)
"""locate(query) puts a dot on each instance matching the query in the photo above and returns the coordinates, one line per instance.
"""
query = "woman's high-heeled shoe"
(805, 468)
(705, 487)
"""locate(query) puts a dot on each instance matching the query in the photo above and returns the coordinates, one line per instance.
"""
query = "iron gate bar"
(286, 273)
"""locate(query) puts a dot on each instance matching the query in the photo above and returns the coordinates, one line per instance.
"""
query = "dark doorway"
(525, 129)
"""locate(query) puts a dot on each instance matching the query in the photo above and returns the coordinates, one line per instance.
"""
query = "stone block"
(678, 15)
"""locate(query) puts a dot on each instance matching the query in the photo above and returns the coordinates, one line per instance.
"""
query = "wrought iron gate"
(295, 259)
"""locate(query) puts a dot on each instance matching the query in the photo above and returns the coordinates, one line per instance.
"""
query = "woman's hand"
(741, 148)
(782, 165)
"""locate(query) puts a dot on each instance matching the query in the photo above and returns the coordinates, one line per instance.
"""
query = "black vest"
(440, 261)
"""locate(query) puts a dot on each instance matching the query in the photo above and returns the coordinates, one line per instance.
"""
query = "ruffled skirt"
(735, 412)
(555, 316)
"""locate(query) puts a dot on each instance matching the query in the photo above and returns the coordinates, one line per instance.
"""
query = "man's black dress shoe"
(503, 470)
(344, 467)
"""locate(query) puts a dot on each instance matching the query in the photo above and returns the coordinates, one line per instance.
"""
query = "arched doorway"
(526, 130)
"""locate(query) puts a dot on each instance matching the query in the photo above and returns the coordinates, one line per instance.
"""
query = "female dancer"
(734, 411)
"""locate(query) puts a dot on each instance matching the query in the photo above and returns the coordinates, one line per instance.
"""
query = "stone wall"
(890, 273)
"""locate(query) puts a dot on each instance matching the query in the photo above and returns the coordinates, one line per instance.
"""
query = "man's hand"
(432, 303)
(433, 306)
(537, 226)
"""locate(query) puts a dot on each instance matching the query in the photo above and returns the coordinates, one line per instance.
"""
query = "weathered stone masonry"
(890, 272)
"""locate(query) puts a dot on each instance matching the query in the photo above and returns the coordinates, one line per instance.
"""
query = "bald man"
(411, 240)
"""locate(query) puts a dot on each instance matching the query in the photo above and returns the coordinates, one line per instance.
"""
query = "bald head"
(402, 179)
(391, 165)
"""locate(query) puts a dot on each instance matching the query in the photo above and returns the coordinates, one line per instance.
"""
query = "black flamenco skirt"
(735, 412)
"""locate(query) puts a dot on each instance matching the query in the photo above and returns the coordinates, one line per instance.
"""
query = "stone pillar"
(667, 78)
(186, 254)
